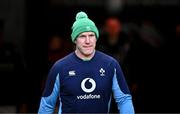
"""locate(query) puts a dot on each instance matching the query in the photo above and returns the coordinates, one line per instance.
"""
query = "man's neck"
(83, 57)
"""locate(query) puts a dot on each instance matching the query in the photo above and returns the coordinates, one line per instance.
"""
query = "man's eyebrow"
(82, 35)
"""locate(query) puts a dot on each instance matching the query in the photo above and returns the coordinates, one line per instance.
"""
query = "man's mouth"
(87, 46)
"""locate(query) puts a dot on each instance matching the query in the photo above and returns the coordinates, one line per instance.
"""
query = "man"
(86, 79)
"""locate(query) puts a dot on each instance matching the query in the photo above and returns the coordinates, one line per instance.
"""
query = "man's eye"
(82, 36)
(92, 35)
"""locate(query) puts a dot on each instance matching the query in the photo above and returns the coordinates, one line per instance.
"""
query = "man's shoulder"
(105, 56)
(65, 60)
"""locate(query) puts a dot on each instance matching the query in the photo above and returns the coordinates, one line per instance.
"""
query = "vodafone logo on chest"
(89, 89)
(88, 80)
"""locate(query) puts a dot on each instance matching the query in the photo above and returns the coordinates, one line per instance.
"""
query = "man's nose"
(87, 39)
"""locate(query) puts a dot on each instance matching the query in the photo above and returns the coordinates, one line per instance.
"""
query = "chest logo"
(102, 72)
(86, 82)
(72, 73)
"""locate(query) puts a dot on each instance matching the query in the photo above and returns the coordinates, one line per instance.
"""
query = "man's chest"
(86, 80)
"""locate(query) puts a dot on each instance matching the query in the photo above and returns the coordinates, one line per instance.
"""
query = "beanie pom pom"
(81, 15)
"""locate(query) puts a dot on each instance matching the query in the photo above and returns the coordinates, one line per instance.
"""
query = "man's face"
(85, 44)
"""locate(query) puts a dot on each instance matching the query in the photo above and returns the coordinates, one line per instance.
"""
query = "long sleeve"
(48, 100)
(122, 97)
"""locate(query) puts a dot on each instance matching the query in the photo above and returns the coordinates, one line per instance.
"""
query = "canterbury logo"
(90, 80)
(72, 73)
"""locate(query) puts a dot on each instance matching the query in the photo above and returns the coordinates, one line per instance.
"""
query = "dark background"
(26, 25)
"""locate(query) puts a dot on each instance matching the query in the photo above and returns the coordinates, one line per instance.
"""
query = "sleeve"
(121, 92)
(51, 93)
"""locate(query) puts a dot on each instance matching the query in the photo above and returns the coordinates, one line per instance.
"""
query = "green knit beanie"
(83, 24)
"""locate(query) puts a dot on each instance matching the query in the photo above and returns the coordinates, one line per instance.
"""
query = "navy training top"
(85, 86)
